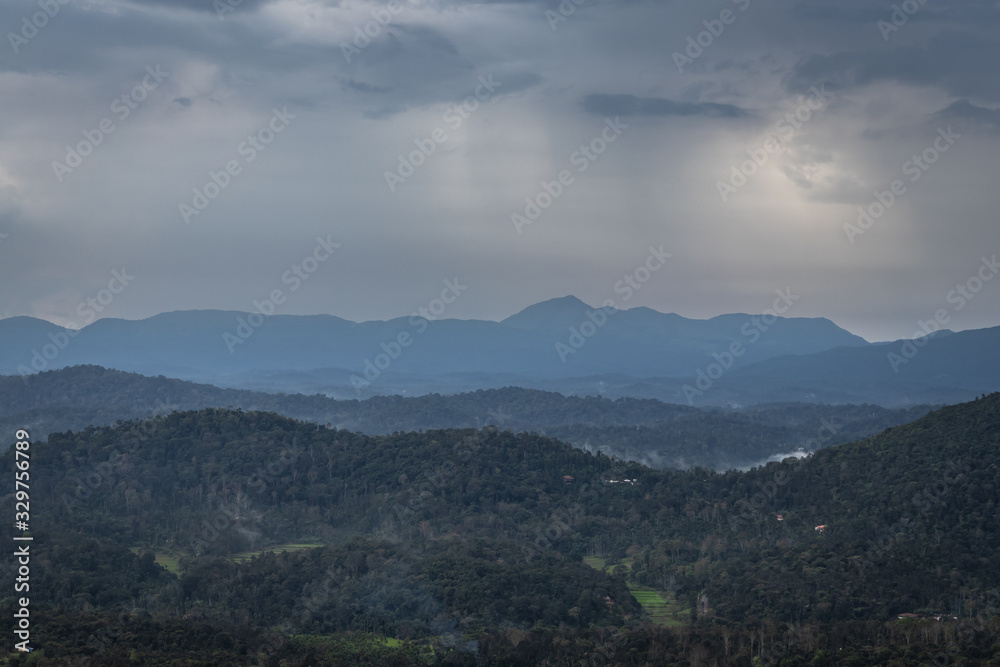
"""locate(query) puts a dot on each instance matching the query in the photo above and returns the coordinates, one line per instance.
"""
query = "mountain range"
(559, 345)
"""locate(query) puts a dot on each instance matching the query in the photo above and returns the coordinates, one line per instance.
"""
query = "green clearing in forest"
(661, 606)
(166, 559)
(169, 561)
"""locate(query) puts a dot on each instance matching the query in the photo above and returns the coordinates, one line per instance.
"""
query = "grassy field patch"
(661, 606)
(167, 559)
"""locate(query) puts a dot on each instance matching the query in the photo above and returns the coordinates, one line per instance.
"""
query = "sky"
(351, 157)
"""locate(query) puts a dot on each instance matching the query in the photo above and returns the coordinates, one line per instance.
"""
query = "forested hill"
(483, 530)
(655, 433)
(84, 388)
(910, 520)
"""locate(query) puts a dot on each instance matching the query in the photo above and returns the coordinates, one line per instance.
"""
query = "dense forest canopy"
(660, 435)
(460, 537)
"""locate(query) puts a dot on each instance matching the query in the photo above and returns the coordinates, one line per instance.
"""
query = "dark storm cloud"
(411, 66)
(363, 87)
(85, 40)
(203, 5)
(416, 66)
(838, 11)
(861, 12)
(963, 110)
(958, 62)
(355, 117)
(630, 105)
(459, 89)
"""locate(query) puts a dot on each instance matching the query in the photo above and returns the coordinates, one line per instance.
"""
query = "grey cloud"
(965, 110)
(452, 216)
(630, 105)
(362, 87)
(956, 62)
(204, 5)
(838, 11)
(860, 12)
(457, 90)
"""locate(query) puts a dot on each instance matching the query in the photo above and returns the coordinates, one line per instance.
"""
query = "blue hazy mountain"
(559, 338)
(950, 367)
(561, 345)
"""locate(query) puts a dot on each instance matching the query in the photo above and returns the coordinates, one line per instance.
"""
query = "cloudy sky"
(115, 114)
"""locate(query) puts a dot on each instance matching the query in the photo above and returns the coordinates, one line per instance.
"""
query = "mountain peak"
(553, 312)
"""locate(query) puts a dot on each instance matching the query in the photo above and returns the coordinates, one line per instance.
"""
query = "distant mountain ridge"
(557, 338)
(561, 345)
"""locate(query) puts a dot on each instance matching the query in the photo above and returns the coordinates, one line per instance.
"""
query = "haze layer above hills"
(559, 345)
